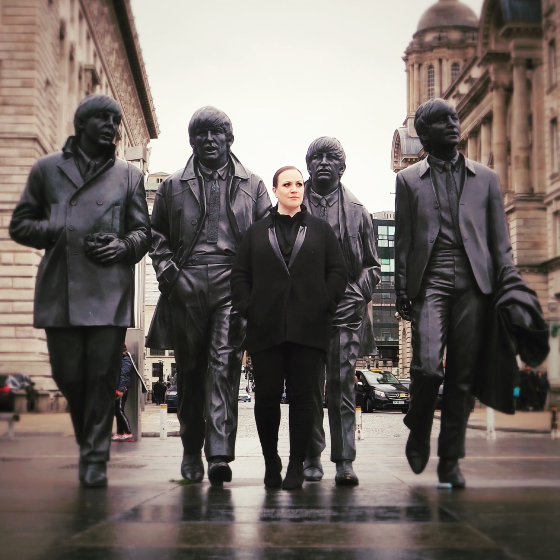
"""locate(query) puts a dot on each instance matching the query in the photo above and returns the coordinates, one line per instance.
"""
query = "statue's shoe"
(218, 473)
(95, 475)
(192, 468)
(313, 469)
(449, 473)
(345, 475)
(417, 452)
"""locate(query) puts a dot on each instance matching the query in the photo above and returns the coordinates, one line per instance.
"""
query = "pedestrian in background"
(287, 280)
(156, 392)
(542, 387)
(124, 433)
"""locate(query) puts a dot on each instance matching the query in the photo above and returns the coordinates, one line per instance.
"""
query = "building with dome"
(500, 71)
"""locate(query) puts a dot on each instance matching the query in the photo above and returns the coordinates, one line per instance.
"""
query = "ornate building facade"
(507, 94)
(52, 54)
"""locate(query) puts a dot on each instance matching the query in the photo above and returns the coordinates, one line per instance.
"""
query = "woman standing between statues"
(287, 280)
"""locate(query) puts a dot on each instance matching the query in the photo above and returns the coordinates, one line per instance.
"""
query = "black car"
(406, 382)
(171, 398)
(381, 390)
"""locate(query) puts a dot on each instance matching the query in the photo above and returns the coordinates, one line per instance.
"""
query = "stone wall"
(52, 54)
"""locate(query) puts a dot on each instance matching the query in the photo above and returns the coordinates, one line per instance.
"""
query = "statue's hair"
(326, 144)
(93, 104)
(429, 113)
(210, 117)
(280, 171)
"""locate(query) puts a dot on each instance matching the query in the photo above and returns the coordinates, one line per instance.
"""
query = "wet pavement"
(510, 509)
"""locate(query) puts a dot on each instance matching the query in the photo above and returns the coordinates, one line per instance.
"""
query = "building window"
(431, 82)
(454, 71)
(387, 265)
(556, 233)
(554, 145)
(385, 236)
(156, 352)
(551, 62)
(157, 370)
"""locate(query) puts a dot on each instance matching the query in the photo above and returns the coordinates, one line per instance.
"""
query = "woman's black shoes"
(272, 476)
(294, 476)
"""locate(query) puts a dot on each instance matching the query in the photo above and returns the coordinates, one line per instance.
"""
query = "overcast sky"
(286, 72)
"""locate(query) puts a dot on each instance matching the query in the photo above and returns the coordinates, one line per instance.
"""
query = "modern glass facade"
(385, 325)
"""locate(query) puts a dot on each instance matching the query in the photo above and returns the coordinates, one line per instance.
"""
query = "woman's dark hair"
(429, 113)
(280, 171)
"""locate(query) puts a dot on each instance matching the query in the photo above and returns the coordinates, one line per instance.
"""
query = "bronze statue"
(88, 210)
(327, 198)
(451, 243)
(199, 216)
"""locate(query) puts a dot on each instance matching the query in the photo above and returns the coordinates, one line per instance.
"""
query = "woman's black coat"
(291, 303)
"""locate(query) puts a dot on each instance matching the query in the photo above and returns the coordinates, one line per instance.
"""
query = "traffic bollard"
(163, 421)
(490, 424)
(554, 423)
(359, 431)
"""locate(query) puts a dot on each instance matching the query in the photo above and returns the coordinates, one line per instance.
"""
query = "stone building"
(158, 364)
(52, 54)
(508, 98)
(385, 325)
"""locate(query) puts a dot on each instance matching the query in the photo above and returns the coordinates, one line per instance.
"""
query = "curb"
(156, 434)
(511, 430)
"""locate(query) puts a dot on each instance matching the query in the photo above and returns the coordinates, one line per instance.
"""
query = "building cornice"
(129, 89)
(474, 95)
(125, 18)
(522, 29)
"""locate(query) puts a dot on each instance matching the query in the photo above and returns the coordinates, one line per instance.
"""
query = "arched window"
(431, 82)
(454, 71)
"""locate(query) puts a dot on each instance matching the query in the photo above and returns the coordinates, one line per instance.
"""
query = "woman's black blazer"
(293, 302)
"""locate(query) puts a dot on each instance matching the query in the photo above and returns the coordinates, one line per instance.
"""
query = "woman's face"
(289, 191)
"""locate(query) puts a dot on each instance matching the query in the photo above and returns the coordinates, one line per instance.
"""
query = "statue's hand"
(114, 251)
(403, 307)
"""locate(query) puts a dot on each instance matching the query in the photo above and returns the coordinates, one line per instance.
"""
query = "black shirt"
(287, 228)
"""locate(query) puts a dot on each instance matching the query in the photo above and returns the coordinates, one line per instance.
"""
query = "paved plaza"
(510, 510)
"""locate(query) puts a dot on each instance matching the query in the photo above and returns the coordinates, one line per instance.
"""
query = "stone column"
(538, 159)
(446, 76)
(499, 139)
(472, 145)
(520, 148)
(485, 141)
(416, 86)
(437, 78)
(408, 89)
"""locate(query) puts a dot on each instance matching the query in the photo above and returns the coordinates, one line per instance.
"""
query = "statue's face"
(101, 128)
(445, 132)
(325, 166)
(211, 145)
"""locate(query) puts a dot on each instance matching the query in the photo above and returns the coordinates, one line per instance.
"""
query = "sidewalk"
(512, 496)
(528, 422)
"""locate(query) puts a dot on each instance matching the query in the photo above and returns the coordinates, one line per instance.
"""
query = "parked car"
(406, 382)
(10, 383)
(439, 397)
(171, 398)
(381, 390)
(243, 395)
